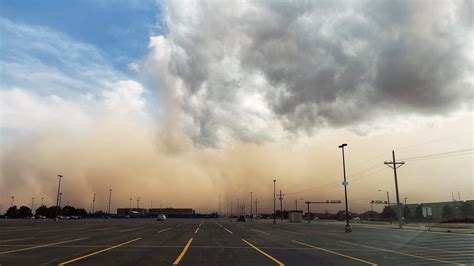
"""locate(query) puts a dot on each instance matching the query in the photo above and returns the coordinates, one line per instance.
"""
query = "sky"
(178, 102)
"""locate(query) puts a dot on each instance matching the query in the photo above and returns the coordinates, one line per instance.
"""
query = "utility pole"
(251, 211)
(274, 202)
(238, 207)
(395, 165)
(256, 208)
(308, 216)
(296, 203)
(110, 199)
(281, 205)
(93, 203)
(348, 228)
(57, 195)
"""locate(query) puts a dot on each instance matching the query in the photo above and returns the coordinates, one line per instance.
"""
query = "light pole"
(296, 203)
(130, 204)
(238, 206)
(110, 199)
(388, 202)
(274, 201)
(13, 199)
(251, 209)
(348, 228)
(406, 201)
(42, 199)
(32, 204)
(93, 203)
(60, 198)
(57, 196)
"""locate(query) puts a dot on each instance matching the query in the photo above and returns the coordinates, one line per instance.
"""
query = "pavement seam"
(98, 252)
(403, 253)
(336, 253)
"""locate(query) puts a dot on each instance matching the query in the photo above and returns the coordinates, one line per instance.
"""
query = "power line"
(438, 154)
(438, 157)
(435, 140)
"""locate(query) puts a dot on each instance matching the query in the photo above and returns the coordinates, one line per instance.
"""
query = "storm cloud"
(259, 70)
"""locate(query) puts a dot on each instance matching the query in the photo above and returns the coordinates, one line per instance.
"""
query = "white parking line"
(296, 233)
(182, 224)
(129, 230)
(166, 229)
(104, 229)
(16, 239)
(260, 231)
(228, 230)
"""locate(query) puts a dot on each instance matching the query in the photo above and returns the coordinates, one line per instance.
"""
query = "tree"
(81, 213)
(43, 211)
(406, 213)
(12, 212)
(52, 212)
(419, 212)
(467, 210)
(388, 213)
(448, 212)
(68, 211)
(24, 212)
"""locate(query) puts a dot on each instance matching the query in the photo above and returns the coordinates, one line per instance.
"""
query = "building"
(437, 208)
(171, 211)
(122, 212)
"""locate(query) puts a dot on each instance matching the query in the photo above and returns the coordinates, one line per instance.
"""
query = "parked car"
(241, 218)
(161, 217)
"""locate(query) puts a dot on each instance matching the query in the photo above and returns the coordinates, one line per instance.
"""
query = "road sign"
(427, 212)
(378, 202)
(345, 183)
(333, 201)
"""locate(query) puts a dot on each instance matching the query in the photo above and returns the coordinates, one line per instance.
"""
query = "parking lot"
(223, 242)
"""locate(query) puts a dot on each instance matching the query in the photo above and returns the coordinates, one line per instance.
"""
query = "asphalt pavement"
(223, 242)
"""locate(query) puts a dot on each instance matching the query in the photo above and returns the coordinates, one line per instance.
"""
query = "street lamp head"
(342, 145)
(274, 180)
(60, 175)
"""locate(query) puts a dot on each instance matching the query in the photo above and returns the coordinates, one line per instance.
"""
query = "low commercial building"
(171, 211)
(122, 212)
(437, 208)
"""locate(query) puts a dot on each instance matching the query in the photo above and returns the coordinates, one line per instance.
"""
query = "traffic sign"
(345, 183)
(333, 201)
(427, 212)
(378, 202)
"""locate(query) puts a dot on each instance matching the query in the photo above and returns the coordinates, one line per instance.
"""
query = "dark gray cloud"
(249, 70)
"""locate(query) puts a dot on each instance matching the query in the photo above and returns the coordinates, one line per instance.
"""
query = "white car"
(161, 217)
